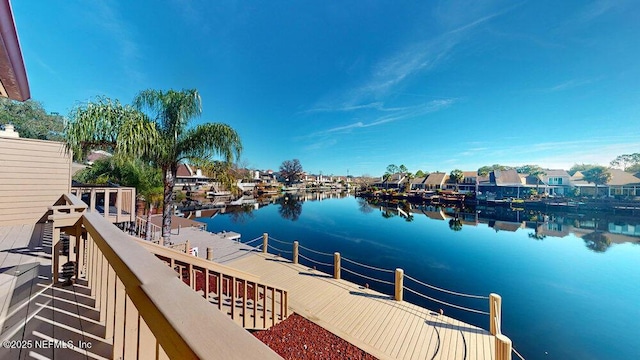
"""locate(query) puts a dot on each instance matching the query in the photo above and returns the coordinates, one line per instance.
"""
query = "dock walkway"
(375, 322)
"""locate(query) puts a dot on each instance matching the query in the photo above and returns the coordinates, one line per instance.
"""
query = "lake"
(570, 283)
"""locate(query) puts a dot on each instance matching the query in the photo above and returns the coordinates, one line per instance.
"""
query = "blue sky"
(352, 86)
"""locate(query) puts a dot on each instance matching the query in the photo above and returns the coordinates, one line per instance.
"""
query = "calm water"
(563, 295)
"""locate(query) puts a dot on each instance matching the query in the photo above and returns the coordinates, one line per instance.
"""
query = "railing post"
(295, 252)
(399, 284)
(105, 206)
(265, 242)
(495, 313)
(210, 253)
(336, 265)
(503, 347)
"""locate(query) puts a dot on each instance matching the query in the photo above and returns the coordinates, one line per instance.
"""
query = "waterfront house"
(396, 181)
(436, 181)
(418, 184)
(503, 184)
(186, 175)
(622, 184)
(469, 183)
(554, 182)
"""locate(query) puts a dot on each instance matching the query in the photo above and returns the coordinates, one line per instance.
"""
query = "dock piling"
(336, 265)
(265, 242)
(399, 284)
(295, 252)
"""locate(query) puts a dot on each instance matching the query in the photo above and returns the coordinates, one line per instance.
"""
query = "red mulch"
(300, 339)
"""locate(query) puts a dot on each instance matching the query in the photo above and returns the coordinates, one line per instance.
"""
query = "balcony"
(104, 294)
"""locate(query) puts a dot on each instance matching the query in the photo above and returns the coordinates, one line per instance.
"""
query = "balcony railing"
(249, 302)
(116, 204)
(146, 310)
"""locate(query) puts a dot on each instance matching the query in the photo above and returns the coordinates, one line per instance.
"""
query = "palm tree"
(457, 175)
(537, 172)
(162, 137)
(598, 175)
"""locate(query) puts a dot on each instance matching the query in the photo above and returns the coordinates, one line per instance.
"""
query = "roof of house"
(419, 180)
(556, 173)
(436, 178)
(618, 178)
(508, 177)
(507, 225)
(470, 174)
(184, 170)
(13, 77)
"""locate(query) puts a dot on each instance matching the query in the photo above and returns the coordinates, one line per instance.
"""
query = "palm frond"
(208, 140)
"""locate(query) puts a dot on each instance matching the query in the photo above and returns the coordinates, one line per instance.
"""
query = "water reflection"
(290, 206)
(599, 230)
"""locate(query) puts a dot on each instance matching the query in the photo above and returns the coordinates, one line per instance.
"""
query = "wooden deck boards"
(33, 310)
(376, 323)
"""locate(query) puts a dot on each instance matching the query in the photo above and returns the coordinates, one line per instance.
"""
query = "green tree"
(291, 170)
(628, 162)
(402, 169)
(162, 137)
(597, 241)
(420, 174)
(457, 176)
(598, 175)
(134, 173)
(580, 167)
(534, 171)
(485, 170)
(455, 224)
(391, 169)
(31, 120)
(222, 171)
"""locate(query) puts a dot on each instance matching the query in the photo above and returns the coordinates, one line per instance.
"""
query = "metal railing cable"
(446, 303)
(280, 241)
(368, 266)
(279, 250)
(314, 251)
(517, 353)
(445, 290)
(367, 277)
(315, 261)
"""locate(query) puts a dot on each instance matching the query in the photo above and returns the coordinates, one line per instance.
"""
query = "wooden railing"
(503, 344)
(146, 311)
(116, 204)
(249, 302)
(140, 230)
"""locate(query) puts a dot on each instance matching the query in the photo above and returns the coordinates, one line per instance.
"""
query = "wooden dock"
(375, 322)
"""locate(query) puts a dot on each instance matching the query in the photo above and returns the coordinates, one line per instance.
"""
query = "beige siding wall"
(33, 175)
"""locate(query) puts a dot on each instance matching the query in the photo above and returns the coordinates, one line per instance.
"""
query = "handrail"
(124, 202)
(140, 229)
(196, 261)
(223, 286)
(180, 323)
(503, 344)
